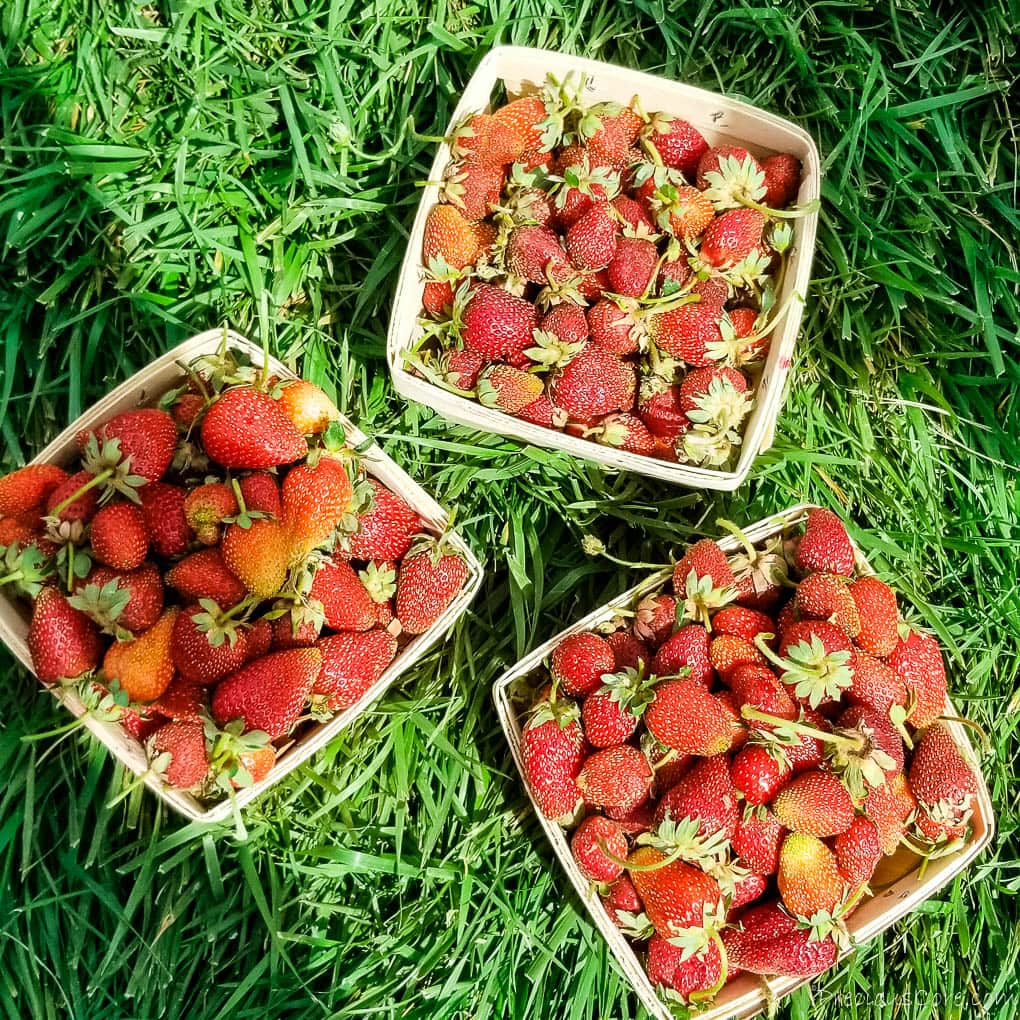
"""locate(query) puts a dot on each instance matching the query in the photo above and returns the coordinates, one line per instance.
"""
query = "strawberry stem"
(90, 484)
(707, 994)
(801, 728)
(622, 861)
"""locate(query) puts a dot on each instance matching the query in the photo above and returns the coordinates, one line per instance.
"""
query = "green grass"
(171, 167)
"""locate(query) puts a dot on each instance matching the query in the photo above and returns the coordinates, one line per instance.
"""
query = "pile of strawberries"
(218, 570)
(737, 752)
(606, 272)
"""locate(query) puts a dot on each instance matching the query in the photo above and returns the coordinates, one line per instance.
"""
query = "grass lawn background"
(170, 167)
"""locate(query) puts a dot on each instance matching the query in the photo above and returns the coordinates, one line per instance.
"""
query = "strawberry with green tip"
(703, 582)
(206, 507)
(507, 389)
(809, 880)
(769, 941)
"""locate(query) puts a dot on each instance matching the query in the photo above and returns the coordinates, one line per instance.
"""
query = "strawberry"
(430, 578)
(739, 621)
(622, 900)
(685, 716)
(261, 493)
(815, 657)
(205, 575)
(137, 446)
(534, 253)
(825, 545)
(875, 685)
(857, 852)
(633, 266)
(507, 389)
(889, 807)
(566, 322)
(727, 652)
(876, 604)
(618, 129)
(759, 773)
(308, 407)
(257, 762)
(474, 188)
(917, 661)
(758, 687)
(525, 117)
(746, 890)
(544, 412)
(260, 639)
(591, 240)
(808, 878)
(717, 395)
(297, 629)
(83, 504)
(633, 820)
(822, 596)
(386, 528)
(798, 952)
(809, 753)
(708, 162)
(815, 803)
(484, 138)
(623, 432)
(345, 600)
(204, 646)
(702, 578)
(659, 408)
(632, 215)
(119, 537)
(584, 185)
(258, 555)
(679, 899)
(165, 520)
(496, 324)
(579, 662)
(460, 368)
(205, 509)
(26, 490)
(617, 777)
(944, 784)
(179, 753)
(692, 976)
(591, 860)
(594, 383)
(654, 620)
(678, 144)
(183, 701)
(451, 238)
(246, 428)
(687, 649)
(268, 693)
(144, 665)
(15, 533)
(351, 663)
(613, 328)
(63, 641)
(553, 749)
(686, 332)
(782, 180)
(757, 840)
(629, 651)
(610, 714)
(130, 601)
(315, 497)
(731, 237)
(705, 795)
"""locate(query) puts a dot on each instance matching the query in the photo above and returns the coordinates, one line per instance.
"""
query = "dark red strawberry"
(655, 619)
(628, 650)
(709, 160)
(64, 642)
(782, 180)
(678, 144)
(130, 600)
(206, 647)
(261, 491)
(633, 267)
(659, 408)
(163, 506)
(591, 240)
(534, 253)
(687, 649)
(179, 753)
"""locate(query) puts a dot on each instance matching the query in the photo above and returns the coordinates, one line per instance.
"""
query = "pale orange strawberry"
(315, 497)
(258, 555)
(144, 666)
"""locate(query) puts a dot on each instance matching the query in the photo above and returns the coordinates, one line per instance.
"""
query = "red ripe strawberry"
(430, 579)
(632, 214)
(145, 440)
(917, 661)
(450, 237)
(810, 752)
(944, 784)
(437, 298)
(757, 841)
(315, 498)
(261, 492)
(815, 656)
(534, 253)
(797, 953)
(14, 532)
(258, 555)
(876, 604)
(308, 407)
(386, 528)
(206, 507)
(686, 332)
(623, 432)
(759, 773)
(815, 803)
(825, 545)
(731, 237)
(119, 537)
(857, 852)
(64, 642)
(487, 140)
(613, 328)
(674, 273)
(808, 879)
(669, 965)
(202, 650)
(474, 188)
(579, 662)
(686, 717)
(679, 144)
(165, 521)
(246, 428)
(688, 649)
(141, 724)
(727, 652)
(269, 693)
(184, 744)
(183, 701)
(83, 507)
(628, 650)
(782, 180)
(260, 639)
(655, 618)
(591, 860)
(611, 142)
(345, 599)
(622, 899)
(496, 324)
(633, 820)
(617, 777)
(742, 622)
(709, 161)
(594, 383)
(507, 389)
(592, 239)
(187, 409)
(290, 631)
(786, 617)
(205, 575)
(351, 663)
(543, 412)
(143, 666)
(460, 368)
(704, 794)
(875, 685)
(746, 890)
(524, 117)
(758, 687)
(677, 896)
(888, 807)
(553, 749)
(566, 322)
(659, 408)
(822, 596)
(26, 490)
(716, 393)
(633, 266)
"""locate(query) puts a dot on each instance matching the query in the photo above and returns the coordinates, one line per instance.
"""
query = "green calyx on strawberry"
(815, 675)
(26, 568)
(700, 598)
(380, 580)
(682, 839)
(228, 747)
(104, 604)
(568, 121)
(550, 352)
(741, 182)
